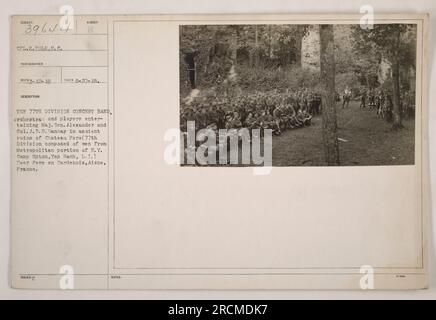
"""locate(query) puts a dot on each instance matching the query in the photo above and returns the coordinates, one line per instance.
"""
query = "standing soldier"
(346, 98)
(221, 115)
(363, 100)
(371, 99)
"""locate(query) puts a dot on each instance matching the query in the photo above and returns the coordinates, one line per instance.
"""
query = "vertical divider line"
(108, 153)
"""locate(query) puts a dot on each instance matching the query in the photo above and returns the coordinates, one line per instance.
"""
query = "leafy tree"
(252, 45)
(389, 41)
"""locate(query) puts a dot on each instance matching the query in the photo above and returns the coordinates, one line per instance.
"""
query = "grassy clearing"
(369, 141)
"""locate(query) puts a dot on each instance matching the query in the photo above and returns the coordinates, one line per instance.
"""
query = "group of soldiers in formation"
(280, 111)
(261, 110)
(381, 102)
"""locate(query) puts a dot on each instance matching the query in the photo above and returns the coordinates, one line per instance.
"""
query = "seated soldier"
(228, 121)
(284, 117)
(212, 115)
(271, 123)
(251, 122)
(237, 123)
(304, 117)
(221, 116)
(262, 120)
(234, 121)
(293, 117)
(187, 115)
(202, 118)
(277, 118)
(241, 109)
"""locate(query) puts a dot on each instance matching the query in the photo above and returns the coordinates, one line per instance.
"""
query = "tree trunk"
(329, 118)
(299, 39)
(234, 46)
(256, 46)
(211, 52)
(299, 45)
(396, 108)
(272, 43)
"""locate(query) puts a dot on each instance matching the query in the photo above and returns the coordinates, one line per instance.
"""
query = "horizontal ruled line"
(36, 66)
(65, 82)
(64, 34)
(65, 50)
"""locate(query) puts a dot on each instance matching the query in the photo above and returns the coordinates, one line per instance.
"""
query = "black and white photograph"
(330, 95)
(225, 152)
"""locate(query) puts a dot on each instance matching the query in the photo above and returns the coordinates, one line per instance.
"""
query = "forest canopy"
(268, 57)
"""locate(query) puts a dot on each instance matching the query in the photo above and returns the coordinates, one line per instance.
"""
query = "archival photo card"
(250, 151)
